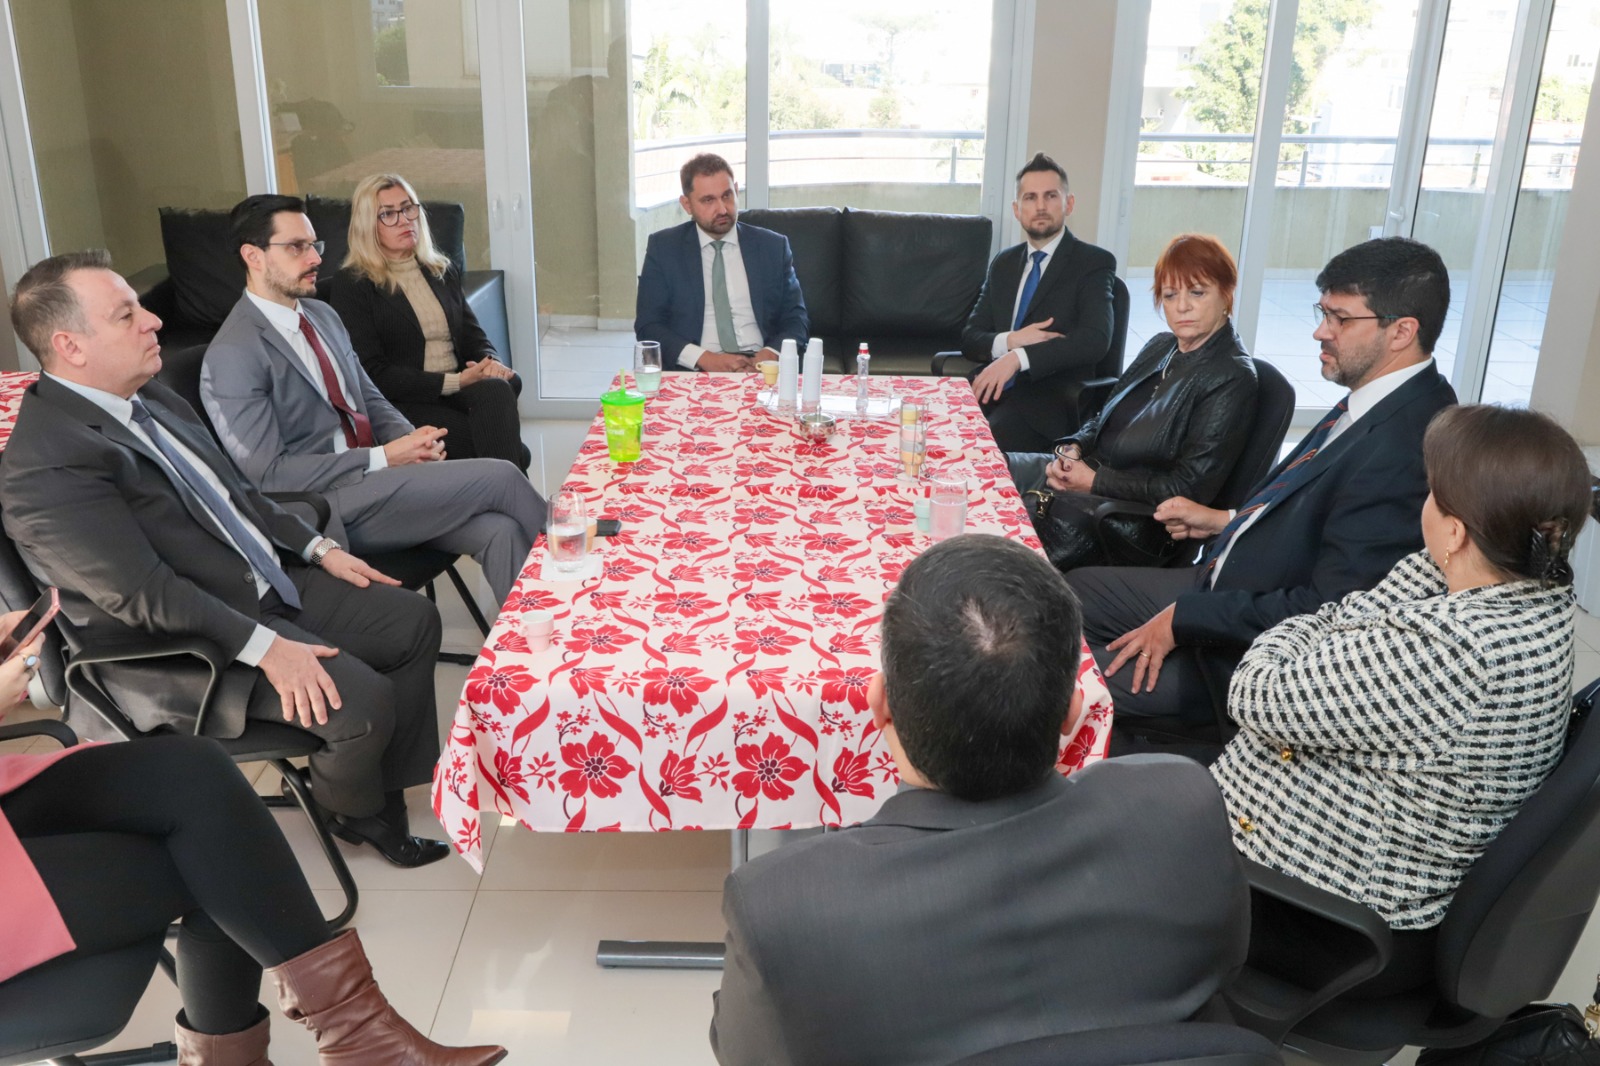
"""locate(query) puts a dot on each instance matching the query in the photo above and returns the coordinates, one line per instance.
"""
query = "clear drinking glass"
(947, 507)
(647, 366)
(568, 532)
(913, 447)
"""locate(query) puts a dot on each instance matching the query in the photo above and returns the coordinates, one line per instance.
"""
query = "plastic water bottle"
(863, 378)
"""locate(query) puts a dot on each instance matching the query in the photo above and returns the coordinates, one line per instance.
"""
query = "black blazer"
(386, 335)
(92, 511)
(1075, 291)
(1340, 530)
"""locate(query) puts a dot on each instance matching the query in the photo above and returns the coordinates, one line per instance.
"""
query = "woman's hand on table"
(17, 671)
(1148, 646)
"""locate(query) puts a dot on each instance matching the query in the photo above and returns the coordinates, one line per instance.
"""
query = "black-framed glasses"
(1340, 319)
(298, 249)
(391, 216)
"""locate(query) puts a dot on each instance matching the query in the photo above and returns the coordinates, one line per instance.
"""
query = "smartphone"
(31, 624)
(607, 527)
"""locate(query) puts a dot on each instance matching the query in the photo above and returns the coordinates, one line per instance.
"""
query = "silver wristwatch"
(321, 550)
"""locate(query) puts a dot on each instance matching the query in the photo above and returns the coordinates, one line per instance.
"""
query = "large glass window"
(119, 133)
(1541, 207)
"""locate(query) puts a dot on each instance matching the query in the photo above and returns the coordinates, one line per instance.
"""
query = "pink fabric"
(31, 929)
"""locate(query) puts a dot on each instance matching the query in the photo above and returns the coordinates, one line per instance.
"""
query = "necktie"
(1289, 477)
(727, 336)
(1029, 287)
(357, 427)
(185, 476)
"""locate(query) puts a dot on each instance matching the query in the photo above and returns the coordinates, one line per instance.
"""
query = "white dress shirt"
(122, 411)
(286, 320)
(744, 312)
(1361, 401)
(998, 349)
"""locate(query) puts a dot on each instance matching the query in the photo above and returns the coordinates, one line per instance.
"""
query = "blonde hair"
(365, 256)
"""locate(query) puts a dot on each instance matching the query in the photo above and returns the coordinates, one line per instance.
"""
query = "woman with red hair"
(1174, 426)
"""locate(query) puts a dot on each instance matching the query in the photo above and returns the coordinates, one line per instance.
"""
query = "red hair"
(1194, 257)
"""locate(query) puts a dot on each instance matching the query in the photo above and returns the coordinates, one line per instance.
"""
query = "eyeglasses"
(390, 216)
(1340, 319)
(298, 249)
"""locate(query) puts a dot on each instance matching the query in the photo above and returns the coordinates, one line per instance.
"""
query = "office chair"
(1176, 1044)
(1512, 925)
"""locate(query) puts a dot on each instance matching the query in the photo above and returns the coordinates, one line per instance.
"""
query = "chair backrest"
(180, 372)
(1518, 914)
(73, 1003)
(814, 238)
(1111, 365)
(1274, 411)
(1175, 1044)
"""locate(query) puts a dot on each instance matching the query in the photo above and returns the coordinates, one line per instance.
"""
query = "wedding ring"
(31, 663)
(1144, 655)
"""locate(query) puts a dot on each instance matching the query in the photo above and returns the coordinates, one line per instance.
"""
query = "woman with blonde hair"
(402, 301)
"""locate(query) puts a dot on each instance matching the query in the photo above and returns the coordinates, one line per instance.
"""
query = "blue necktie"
(1029, 287)
(1291, 476)
(187, 477)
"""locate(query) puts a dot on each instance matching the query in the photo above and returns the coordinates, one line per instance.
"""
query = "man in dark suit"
(990, 900)
(113, 491)
(1043, 320)
(717, 293)
(1330, 519)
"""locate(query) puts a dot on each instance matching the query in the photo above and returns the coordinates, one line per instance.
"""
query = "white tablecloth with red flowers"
(13, 384)
(712, 672)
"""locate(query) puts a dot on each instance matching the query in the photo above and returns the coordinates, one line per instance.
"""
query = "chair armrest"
(1128, 507)
(963, 367)
(1092, 395)
(321, 512)
(41, 727)
(81, 685)
(1273, 1003)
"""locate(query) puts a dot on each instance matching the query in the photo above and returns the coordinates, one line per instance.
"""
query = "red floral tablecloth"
(713, 673)
(13, 384)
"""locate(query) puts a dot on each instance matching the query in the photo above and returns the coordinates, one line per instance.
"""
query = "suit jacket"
(268, 411)
(1355, 514)
(1075, 291)
(671, 306)
(387, 337)
(92, 511)
(941, 928)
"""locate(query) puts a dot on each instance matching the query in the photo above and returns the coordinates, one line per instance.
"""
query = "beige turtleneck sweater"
(438, 353)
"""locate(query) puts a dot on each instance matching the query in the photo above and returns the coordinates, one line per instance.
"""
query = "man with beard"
(1043, 320)
(1330, 519)
(292, 405)
(717, 293)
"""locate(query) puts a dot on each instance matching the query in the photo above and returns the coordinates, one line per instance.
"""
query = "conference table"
(709, 666)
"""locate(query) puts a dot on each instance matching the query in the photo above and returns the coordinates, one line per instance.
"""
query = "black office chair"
(65, 669)
(1081, 400)
(1511, 927)
(67, 1005)
(1177, 1044)
(415, 568)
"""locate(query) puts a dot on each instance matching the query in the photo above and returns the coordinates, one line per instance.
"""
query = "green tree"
(662, 91)
(1562, 100)
(795, 85)
(389, 55)
(885, 112)
(892, 25)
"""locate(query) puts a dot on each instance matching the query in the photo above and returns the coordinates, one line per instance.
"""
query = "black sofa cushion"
(814, 235)
(207, 273)
(911, 275)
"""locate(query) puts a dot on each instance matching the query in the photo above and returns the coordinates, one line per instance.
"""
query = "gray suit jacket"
(941, 928)
(92, 511)
(265, 405)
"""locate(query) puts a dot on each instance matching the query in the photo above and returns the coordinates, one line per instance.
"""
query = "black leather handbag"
(1071, 538)
(1540, 1034)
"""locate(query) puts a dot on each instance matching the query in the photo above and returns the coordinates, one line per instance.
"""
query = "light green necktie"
(727, 336)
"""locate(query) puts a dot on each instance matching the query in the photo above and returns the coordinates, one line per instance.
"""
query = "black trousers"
(385, 737)
(482, 419)
(1117, 599)
(130, 837)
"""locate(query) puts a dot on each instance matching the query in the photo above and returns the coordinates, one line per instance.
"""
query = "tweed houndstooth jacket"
(1387, 739)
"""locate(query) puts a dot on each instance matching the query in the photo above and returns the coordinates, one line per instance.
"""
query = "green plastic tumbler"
(624, 413)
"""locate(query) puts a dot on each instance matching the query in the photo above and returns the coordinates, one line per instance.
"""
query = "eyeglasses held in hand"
(391, 216)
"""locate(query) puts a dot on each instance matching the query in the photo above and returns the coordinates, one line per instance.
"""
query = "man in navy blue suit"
(717, 293)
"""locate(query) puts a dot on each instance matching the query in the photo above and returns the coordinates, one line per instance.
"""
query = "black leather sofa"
(203, 277)
(902, 282)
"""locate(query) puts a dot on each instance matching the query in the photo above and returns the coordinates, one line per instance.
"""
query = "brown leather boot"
(245, 1048)
(330, 991)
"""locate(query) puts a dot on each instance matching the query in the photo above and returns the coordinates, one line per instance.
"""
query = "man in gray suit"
(114, 492)
(990, 900)
(297, 412)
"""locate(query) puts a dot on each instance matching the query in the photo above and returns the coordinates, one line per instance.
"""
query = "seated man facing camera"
(991, 900)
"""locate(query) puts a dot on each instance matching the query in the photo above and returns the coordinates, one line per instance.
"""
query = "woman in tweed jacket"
(1388, 738)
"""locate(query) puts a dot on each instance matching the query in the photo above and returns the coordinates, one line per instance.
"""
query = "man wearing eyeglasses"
(296, 411)
(1329, 519)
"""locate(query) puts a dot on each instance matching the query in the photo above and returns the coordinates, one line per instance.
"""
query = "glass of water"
(647, 366)
(568, 532)
(947, 507)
